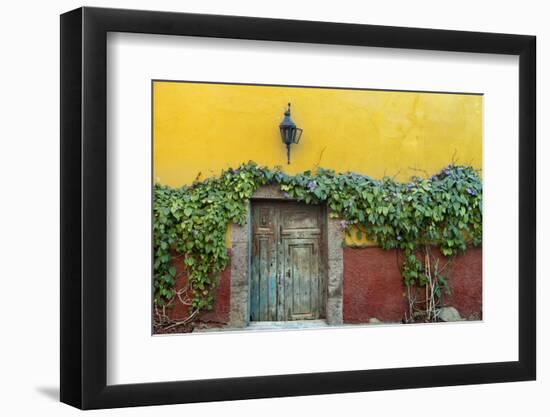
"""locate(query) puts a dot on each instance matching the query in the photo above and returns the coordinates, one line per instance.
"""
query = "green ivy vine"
(444, 210)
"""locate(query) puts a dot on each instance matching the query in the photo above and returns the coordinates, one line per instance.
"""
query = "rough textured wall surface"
(220, 313)
(373, 287)
(200, 129)
(465, 281)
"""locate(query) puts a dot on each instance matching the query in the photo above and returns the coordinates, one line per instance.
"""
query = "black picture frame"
(84, 207)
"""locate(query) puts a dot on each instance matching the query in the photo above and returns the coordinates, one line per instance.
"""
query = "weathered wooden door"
(287, 280)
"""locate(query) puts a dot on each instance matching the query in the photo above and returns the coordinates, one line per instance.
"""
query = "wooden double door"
(288, 272)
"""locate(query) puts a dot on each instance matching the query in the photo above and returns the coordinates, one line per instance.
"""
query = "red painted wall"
(220, 313)
(373, 286)
(465, 281)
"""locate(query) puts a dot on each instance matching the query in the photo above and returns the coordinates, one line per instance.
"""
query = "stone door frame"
(241, 265)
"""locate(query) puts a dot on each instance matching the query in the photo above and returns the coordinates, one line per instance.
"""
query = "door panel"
(302, 278)
(263, 305)
(263, 282)
(287, 274)
(296, 217)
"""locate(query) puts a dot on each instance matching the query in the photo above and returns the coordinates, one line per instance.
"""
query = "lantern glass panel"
(297, 135)
(286, 134)
(291, 134)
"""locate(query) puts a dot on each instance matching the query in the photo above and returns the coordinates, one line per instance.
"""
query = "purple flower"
(398, 237)
(312, 185)
(286, 195)
(343, 224)
(470, 191)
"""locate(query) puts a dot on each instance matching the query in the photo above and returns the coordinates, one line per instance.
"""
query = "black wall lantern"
(289, 132)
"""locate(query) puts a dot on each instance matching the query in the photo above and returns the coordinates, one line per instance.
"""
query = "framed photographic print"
(257, 207)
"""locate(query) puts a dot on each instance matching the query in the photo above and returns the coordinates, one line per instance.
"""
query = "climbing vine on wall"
(444, 210)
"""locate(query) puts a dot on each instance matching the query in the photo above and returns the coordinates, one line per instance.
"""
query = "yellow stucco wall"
(204, 128)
